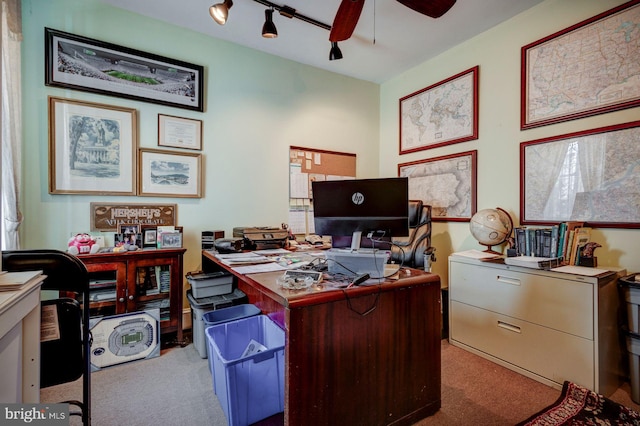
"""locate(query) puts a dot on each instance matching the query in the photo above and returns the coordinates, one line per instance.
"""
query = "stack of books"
(564, 241)
(12, 281)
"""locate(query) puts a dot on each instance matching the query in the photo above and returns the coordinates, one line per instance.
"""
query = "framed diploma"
(178, 132)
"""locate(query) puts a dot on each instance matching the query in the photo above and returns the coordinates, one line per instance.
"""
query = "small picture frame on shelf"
(149, 236)
(128, 229)
(170, 240)
(132, 239)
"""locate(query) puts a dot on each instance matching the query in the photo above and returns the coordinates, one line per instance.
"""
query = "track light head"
(219, 12)
(335, 53)
(269, 29)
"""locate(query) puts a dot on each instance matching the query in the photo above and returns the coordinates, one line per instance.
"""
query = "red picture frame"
(589, 176)
(557, 85)
(427, 118)
(454, 175)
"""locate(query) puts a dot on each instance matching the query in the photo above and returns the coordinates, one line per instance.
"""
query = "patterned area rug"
(580, 406)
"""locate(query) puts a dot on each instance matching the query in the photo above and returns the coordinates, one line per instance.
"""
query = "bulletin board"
(305, 166)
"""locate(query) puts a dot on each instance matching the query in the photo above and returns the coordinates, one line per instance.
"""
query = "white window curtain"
(11, 117)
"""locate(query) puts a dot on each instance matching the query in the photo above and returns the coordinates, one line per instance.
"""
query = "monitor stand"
(356, 239)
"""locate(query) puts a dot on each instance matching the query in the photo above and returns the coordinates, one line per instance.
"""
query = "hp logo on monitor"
(357, 198)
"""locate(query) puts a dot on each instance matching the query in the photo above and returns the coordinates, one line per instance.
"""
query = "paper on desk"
(580, 270)
(268, 252)
(255, 269)
(236, 255)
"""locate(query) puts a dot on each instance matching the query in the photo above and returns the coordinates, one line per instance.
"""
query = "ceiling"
(389, 38)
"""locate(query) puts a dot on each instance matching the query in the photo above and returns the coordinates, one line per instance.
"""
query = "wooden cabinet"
(547, 325)
(134, 281)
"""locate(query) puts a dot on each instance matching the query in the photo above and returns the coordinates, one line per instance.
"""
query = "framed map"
(590, 176)
(441, 114)
(587, 69)
(447, 183)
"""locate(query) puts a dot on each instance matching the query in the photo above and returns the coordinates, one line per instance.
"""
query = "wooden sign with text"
(107, 217)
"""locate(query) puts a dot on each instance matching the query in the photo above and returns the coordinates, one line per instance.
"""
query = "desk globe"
(491, 227)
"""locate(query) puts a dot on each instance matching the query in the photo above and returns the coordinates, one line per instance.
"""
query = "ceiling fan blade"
(431, 8)
(346, 19)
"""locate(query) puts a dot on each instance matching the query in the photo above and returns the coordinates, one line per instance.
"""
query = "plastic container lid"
(231, 313)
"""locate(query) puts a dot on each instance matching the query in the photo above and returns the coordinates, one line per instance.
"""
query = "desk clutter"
(314, 270)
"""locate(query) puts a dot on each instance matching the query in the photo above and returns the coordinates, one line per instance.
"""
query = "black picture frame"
(65, 51)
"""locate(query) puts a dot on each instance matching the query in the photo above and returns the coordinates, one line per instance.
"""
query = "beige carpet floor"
(175, 389)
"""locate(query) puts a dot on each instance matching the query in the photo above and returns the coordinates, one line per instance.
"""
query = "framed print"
(170, 174)
(447, 183)
(92, 148)
(441, 114)
(587, 69)
(81, 63)
(179, 132)
(590, 176)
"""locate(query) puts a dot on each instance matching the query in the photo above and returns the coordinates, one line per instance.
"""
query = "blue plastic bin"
(231, 313)
(249, 388)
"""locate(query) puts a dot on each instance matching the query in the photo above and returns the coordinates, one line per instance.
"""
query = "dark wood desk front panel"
(347, 366)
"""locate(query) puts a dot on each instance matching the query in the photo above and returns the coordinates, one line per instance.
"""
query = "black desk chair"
(411, 250)
(65, 359)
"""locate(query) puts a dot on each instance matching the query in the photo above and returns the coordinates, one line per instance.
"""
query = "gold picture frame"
(169, 173)
(92, 148)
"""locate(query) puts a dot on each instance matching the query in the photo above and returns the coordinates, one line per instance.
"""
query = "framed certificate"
(177, 132)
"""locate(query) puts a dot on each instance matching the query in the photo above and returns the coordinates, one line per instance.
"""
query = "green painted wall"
(257, 105)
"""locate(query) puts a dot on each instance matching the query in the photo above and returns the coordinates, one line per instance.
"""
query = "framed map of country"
(591, 176)
(587, 69)
(441, 114)
(447, 183)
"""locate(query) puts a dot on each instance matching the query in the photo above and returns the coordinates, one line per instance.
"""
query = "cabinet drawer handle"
(509, 327)
(508, 280)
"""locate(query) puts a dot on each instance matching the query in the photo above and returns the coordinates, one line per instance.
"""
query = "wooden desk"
(347, 367)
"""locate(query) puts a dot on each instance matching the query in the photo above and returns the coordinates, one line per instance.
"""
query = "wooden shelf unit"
(121, 286)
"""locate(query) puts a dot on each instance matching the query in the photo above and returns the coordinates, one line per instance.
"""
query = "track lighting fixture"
(335, 53)
(219, 12)
(269, 29)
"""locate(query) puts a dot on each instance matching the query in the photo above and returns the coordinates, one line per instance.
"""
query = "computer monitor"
(358, 207)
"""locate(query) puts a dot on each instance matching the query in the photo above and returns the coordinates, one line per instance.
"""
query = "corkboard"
(308, 164)
(305, 166)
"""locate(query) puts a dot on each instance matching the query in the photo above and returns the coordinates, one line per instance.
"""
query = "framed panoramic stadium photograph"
(81, 63)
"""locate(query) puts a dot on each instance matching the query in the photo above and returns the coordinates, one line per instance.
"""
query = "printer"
(262, 238)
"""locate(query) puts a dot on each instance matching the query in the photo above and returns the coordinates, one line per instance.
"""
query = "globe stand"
(489, 250)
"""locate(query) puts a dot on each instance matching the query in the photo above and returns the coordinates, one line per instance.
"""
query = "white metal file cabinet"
(549, 326)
